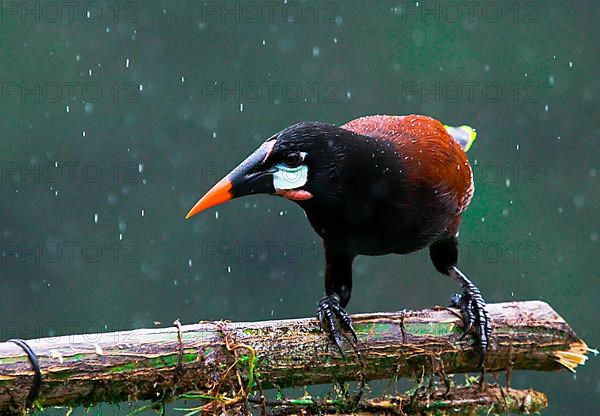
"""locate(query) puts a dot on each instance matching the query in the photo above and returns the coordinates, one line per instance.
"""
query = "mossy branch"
(463, 400)
(212, 357)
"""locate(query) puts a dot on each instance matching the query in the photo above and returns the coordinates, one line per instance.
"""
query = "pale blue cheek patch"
(289, 178)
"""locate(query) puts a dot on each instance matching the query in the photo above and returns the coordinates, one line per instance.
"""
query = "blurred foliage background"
(118, 116)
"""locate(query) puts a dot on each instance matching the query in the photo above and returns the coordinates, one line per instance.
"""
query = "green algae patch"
(14, 360)
(375, 329)
(123, 368)
(432, 329)
(208, 351)
(157, 362)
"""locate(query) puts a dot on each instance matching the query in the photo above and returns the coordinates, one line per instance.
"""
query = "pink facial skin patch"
(295, 194)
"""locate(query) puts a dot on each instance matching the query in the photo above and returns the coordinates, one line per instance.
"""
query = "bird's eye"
(293, 159)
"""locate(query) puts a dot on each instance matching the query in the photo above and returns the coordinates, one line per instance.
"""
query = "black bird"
(376, 185)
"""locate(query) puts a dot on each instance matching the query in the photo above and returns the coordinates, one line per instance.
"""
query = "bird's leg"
(444, 254)
(338, 288)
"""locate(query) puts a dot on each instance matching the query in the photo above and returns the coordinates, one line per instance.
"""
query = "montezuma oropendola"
(376, 185)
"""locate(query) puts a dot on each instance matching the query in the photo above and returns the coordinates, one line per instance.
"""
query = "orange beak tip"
(217, 195)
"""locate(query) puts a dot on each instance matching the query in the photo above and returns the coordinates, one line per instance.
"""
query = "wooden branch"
(464, 400)
(213, 356)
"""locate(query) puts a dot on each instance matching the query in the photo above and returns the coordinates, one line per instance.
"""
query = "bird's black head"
(301, 163)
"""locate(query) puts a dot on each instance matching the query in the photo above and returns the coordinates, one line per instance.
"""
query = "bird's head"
(298, 163)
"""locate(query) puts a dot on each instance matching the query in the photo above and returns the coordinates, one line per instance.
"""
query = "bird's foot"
(474, 315)
(334, 319)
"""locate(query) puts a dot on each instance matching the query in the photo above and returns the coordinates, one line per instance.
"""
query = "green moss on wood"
(436, 329)
(157, 362)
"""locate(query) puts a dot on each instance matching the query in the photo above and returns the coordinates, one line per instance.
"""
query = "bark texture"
(209, 356)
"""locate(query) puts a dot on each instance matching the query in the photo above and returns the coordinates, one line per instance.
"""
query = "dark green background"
(531, 232)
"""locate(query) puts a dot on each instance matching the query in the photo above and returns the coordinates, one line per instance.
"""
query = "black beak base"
(252, 176)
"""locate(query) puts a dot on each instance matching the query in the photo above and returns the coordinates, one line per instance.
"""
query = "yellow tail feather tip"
(459, 133)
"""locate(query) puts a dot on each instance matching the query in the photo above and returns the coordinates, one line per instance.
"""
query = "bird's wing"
(432, 155)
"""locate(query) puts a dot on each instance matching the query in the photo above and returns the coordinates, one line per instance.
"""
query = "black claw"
(329, 314)
(455, 300)
(474, 315)
(467, 308)
(465, 304)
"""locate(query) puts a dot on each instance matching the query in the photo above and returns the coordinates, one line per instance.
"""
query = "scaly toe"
(330, 313)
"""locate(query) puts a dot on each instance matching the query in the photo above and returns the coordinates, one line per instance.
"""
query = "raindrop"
(241, 107)
(228, 269)
(316, 51)
(83, 133)
(579, 201)
(348, 94)
(546, 108)
(551, 80)
(88, 108)
(216, 215)
(96, 218)
(190, 262)
(141, 87)
(127, 63)
(68, 109)
(140, 167)
(143, 212)
(570, 64)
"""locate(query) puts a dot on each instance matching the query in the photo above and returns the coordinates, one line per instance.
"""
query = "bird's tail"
(464, 135)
